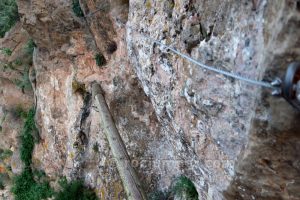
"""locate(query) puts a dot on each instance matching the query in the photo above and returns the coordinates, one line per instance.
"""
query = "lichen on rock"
(233, 140)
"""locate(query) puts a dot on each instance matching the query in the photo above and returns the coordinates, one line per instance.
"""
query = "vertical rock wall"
(269, 166)
(72, 143)
(233, 140)
(238, 131)
(13, 101)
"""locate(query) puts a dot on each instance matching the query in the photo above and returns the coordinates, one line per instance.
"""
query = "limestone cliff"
(233, 140)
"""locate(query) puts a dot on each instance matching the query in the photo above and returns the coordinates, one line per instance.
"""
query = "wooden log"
(128, 175)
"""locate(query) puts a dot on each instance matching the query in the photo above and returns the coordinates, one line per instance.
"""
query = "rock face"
(233, 140)
(13, 101)
(238, 131)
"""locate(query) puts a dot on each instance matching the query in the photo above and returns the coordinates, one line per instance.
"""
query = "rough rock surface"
(247, 141)
(12, 100)
(233, 140)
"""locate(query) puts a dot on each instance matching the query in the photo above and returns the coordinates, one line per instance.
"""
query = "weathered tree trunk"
(129, 178)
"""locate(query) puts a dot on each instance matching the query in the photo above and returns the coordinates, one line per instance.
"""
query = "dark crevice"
(82, 129)
(87, 102)
(112, 47)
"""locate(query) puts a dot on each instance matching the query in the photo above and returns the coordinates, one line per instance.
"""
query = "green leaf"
(8, 15)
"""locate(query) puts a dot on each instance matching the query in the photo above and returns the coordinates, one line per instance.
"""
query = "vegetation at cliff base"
(74, 190)
(8, 15)
(6, 51)
(182, 187)
(27, 139)
(33, 185)
(28, 187)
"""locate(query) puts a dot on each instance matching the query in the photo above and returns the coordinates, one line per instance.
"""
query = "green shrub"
(27, 139)
(5, 154)
(33, 185)
(30, 45)
(29, 185)
(13, 65)
(77, 9)
(100, 59)
(26, 148)
(8, 15)
(74, 190)
(184, 186)
(17, 62)
(24, 83)
(181, 187)
(38, 174)
(9, 65)
(96, 147)
(6, 51)
(20, 112)
(25, 187)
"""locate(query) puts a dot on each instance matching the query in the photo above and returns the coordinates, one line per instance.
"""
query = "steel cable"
(211, 68)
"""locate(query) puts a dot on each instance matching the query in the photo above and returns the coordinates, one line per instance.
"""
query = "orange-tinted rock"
(233, 140)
